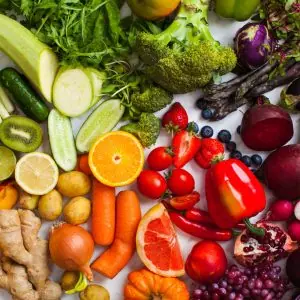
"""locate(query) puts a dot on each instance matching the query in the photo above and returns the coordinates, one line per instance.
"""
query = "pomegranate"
(250, 250)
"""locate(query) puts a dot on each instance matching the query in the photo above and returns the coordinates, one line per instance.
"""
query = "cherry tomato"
(185, 202)
(160, 159)
(181, 182)
(206, 263)
(151, 184)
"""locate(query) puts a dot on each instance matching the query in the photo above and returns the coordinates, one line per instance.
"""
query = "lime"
(7, 163)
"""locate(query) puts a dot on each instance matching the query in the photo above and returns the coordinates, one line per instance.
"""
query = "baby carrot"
(83, 164)
(103, 213)
(128, 216)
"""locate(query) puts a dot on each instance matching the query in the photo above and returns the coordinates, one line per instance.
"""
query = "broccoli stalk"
(146, 129)
(185, 56)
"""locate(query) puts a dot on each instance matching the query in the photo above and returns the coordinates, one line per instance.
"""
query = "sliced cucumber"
(62, 140)
(97, 79)
(6, 101)
(72, 91)
(37, 60)
(103, 119)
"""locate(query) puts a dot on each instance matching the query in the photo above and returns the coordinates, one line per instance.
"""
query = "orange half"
(157, 243)
(116, 158)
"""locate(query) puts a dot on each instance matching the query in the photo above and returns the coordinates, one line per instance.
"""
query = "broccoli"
(151, 99)
(185, 56)
(146, 129)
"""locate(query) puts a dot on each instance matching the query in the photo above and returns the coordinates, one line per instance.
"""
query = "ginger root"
(20, 243)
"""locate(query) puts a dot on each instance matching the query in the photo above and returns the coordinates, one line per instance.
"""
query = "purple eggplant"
(253, 45)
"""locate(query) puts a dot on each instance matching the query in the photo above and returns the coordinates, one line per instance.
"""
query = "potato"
(69, 280)
(50, 206)
(77, 211)
(27, 201)
(73, 184)
(95, 292)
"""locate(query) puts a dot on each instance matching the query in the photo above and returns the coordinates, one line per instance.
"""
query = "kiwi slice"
(21, 134)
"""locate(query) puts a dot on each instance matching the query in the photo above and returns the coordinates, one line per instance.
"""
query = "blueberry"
(256, 160)
(207, 114)
(206, 132)
(224, 136)
(246, 160)
(201, 104)
(193, 127)
(231, 146)
(238, 130)
(236, 154)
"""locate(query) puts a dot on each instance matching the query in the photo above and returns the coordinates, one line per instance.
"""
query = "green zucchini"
(102, 120)
(62, 140)
(24, 95)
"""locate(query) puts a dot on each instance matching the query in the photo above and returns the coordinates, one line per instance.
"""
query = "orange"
(157, 243)
(116, 158)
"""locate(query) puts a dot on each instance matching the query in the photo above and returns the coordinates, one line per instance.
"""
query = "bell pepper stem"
(254, 229)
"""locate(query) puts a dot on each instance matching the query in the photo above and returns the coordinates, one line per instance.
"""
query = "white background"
(224, 31)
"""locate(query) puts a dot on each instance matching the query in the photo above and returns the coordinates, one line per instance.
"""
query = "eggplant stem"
(254, 229)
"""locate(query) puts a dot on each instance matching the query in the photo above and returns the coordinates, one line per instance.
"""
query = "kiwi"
(21, 134)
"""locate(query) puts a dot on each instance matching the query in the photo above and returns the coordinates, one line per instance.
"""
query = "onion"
(71, 248)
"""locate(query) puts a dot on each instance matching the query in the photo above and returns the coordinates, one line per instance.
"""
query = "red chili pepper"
(233, 194)
(199, 216)
(201, 231)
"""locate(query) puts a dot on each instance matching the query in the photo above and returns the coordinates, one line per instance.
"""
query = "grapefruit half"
(157, 243)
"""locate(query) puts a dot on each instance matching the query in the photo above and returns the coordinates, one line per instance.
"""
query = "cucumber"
(102, 120)
(97, 78)
(62, 140)
(72, 91)
(6, 101)
(24, 95)
(37, 61)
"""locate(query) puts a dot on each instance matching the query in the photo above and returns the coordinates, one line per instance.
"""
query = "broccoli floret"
(151, 100)
(185, 56)
(146, 129)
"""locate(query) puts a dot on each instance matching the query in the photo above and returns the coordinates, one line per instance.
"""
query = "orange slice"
(157, 244)
(116, 158)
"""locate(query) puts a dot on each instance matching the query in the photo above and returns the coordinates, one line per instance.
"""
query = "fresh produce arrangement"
(103, 177)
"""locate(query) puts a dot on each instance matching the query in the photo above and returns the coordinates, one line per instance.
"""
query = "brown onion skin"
(71, 248)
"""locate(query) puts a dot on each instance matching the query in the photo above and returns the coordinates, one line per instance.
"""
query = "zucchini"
(102, 120)
(24, 95)
(97, 78)
(6, 101)
(37, 61)
(62, 140)
(72, 91)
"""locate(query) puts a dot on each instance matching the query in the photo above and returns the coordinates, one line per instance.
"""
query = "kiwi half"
(21, 134)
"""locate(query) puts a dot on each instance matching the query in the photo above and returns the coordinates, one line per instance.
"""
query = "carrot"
(103, 213)
(83, 164)
(113, 260)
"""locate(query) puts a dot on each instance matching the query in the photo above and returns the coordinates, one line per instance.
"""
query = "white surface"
(224, 31)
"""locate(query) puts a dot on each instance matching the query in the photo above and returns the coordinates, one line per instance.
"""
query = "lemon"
(36, 173)
(7, 163)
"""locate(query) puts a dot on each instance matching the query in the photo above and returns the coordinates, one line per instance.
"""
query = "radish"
(297, 210)
(280, 210)
(294, 230)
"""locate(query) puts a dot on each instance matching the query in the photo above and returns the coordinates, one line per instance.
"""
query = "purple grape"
(256, 292)
(231, 296)
(222, 292)
(245, 292)
(223, 283)
(197, 292)
(215, 296)
(269, 284)
(215, 286)
(251, 284)
(258, 284)
(206, 295)
(264, 292)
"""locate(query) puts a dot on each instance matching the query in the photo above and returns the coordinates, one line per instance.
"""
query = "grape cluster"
(257, 283)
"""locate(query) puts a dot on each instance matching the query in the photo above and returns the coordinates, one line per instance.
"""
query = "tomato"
(160, 159)
(181, 182)
(151, 184)
(185, 202)
(206, 263)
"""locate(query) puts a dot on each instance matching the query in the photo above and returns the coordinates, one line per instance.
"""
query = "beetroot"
(266, 127)
(280, 210)
(292, 268)
(281, 172)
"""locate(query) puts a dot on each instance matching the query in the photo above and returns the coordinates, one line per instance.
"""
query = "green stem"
(254, 229)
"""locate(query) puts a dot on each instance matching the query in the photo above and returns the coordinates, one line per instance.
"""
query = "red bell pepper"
(233, 194)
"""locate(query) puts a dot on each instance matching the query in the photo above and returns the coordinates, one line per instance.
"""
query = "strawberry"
(211, 151)
(175, 118)
(185, 145)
